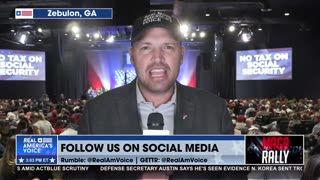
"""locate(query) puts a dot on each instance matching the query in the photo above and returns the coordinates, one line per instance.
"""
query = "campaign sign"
(274, 150)
(22, 65)
(36, 150)
(264, 64)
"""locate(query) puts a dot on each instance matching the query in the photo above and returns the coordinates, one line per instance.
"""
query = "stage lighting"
(207, 13)
(202, 34)
(245, 37)
(184, 28)
(232, 28)
(88, 35)
(23, 39)
(245, 34)
(259, 29)
(267, 8)
(39, 30)
(75, 29)
(77, 35)
(96, 35)
(193, 34)
(185, 35)
(110, 39)
(286, 14)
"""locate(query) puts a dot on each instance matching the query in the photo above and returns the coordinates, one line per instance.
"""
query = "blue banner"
(141, 150)
(63, 13)
(131, 150)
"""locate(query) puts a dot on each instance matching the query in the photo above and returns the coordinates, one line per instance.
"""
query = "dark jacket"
(116, 112)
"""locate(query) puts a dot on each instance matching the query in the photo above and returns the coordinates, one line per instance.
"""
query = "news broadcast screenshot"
(159, 89)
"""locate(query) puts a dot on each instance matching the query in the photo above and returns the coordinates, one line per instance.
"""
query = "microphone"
(155, 121)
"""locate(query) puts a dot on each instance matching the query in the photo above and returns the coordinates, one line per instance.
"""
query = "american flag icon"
(24, 13)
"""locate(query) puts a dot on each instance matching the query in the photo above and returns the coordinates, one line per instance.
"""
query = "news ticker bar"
(63, 13)
(181, 168)
(158, 150)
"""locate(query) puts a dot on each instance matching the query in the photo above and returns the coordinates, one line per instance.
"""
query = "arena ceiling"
(303, 13)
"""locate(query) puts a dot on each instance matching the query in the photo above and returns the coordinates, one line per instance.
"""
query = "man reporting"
(155, 95)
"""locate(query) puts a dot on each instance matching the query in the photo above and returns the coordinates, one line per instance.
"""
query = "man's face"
(157, 58)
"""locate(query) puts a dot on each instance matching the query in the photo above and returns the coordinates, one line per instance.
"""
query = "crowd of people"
(253, 117)
(92, 93)
(277, 116)
(31, 116)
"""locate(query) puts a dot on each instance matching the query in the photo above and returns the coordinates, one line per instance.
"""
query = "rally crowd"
(31, 116)
(272, 116)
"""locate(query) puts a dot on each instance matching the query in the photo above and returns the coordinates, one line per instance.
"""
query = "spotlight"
(23, 39)
(266, 9)
(207, 14)
(39, 30)
(96, 35)
(75, 29)
(110, 39)
(185, 35)
(193, 34)
(77, 35)
(245, 37)
(184, 28)
(232, 28)
(12, 30)
(66, 34)
(246, 34)
(202, 34)
(88, 35)
(39, 40)
(286, 14)
(259, 29)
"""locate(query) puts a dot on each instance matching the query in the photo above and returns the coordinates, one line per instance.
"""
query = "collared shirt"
(166, 109)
